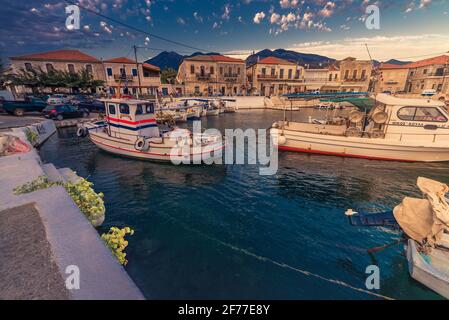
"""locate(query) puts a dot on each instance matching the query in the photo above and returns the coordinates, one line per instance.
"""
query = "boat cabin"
(127, 119)
(409, 119)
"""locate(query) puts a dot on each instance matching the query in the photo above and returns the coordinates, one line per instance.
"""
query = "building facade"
(392, 78)
(62, 60)
(274, 76)
(125, 76)
(355, 75)
(208, 75)
(428, 74)
(315, 79)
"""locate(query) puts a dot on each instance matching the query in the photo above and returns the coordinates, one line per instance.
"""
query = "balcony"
(123, 77)
(267, 76)
(203, 76)
(356, 79)
(231, 77)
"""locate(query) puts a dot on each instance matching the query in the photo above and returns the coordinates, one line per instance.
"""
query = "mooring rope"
(283, 265)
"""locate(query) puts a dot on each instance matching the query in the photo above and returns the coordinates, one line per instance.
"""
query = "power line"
(134, 28)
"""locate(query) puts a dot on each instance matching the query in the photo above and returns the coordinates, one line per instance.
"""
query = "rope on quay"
(283, 265)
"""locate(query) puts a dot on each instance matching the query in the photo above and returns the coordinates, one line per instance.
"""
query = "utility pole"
(138, 72)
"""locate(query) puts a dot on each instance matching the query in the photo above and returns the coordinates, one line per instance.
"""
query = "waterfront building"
(207, 75)
(273, 76)
(392, 78)
(333, 82)
(355, 75)
(315, 79)
(428, 74)
(130, 77)
(72, 61)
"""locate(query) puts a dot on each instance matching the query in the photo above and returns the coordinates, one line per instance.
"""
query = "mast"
(138, 72)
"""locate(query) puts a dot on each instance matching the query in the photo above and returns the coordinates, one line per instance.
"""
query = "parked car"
(429, 93)
(60, 112)
(387, 92)
(58, 99)
(19, 107)
(95, 105)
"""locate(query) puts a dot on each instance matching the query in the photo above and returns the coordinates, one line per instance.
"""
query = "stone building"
(392, 78)
(355, 75)
(125, 75)
(427, 74)
(274, 76)
(207, 75)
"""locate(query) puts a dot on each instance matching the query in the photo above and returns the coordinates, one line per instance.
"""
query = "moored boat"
(412, 130)
(130, 129)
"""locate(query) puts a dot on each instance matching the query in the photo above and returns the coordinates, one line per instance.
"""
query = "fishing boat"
(130, 129)
(425, 224)
(411, 130)
(230, 105)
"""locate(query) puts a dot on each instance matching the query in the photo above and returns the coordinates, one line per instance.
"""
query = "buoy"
(81, 132)
(380, 117)
(356, 116)
(282, 140)
(377, 134)
(353, 132)
(141, 144)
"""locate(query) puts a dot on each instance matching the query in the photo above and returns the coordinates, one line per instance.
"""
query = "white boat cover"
(425, 220)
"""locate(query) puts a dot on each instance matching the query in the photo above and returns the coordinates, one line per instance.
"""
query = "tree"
(168, 75)
(2, 76)
(37, 79)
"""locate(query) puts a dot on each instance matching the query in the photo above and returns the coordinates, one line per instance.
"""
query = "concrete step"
(52, 173)
(69, 175)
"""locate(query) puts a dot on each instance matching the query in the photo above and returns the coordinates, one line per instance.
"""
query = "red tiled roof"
(59, 55)
(392, 66)
(427, 62)
(274, 60)
(215, 58)
(151, 67)
(120, 60)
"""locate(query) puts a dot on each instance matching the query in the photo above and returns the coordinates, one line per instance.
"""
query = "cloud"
(226, 12)
(288, 4)
(198, 17)
(259, 17)
(180, 21)
(328, 9)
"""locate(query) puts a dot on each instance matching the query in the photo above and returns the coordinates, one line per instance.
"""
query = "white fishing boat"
(432, 269)
(130, 129)
(230, 105)
(411, 130)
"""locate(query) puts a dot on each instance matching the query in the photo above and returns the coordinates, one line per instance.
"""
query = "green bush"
(115, 240)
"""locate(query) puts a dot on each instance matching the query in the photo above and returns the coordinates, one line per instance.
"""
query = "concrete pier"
(61, 238)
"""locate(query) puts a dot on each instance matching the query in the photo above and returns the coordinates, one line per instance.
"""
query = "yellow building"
(123, 73)
(62, 60)
(273, 76)
(208, 75)
(392, 78)
(355, 75)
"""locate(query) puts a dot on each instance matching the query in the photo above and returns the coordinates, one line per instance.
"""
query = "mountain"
(397, 62)
(314, 60)
(171, 59)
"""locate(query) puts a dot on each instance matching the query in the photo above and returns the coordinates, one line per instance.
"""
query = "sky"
(408, 29)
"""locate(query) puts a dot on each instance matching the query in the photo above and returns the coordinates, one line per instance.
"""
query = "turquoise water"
(225, 232)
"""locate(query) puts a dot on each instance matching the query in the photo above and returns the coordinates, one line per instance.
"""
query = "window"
(139, 109)
(124, 108)
(111, 109)
(202, 71)
(346, 74)
(330, 77)
(122, 72)
(221, 70)
(71, 68)
(281, 73)
(49, 67)
(354, 75)
(298, 73)
(421, 114)
(363, 74)
(230, 71)
(273, 72)
(28, 66)
(197, 89)
(264, 71)
(192, 69)
(289, 73)
(134, 72)
(211, 70)
(425, 71)
(238, 71)
(109, 71)
(89, 69)
(150, 108)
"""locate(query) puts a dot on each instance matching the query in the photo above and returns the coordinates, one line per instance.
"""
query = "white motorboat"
(130, 129)
(412, 130)
(230, 105)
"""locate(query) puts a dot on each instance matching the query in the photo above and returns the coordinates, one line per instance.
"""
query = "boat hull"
(157, 152)
(364, 148)
(429, 274)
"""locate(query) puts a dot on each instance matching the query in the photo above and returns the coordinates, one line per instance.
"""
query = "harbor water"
(226, 232)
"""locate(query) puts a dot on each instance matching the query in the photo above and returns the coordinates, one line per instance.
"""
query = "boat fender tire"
(141, 144)
(81, 132)
(281, 140)
(353, 132)
(377, 134)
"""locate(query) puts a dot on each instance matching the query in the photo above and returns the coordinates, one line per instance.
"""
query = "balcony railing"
(267, 76)
(355, 80)
(123, 77)
(203, 76)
